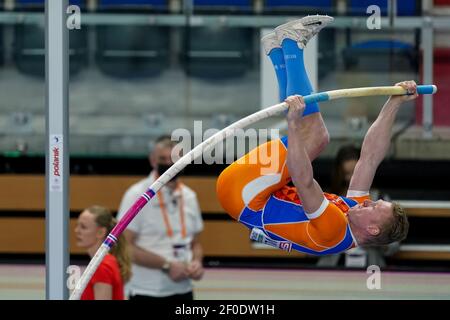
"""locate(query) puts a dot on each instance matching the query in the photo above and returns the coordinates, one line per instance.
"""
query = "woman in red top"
(107, 283)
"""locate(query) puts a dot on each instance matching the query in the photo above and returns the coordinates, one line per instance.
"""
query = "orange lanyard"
(162, 205)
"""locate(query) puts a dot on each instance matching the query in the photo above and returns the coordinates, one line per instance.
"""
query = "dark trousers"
(176, 297)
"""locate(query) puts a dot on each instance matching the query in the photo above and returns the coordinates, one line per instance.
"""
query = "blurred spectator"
(107, 283)
(165, 248)
(343, 168)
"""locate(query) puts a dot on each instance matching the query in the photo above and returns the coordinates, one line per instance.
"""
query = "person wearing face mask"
(343, 167)
(164, 237)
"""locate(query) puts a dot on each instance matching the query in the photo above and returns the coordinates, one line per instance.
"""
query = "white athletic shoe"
(302, 30)
(270, 42)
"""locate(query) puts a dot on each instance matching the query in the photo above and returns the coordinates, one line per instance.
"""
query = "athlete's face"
(371, 215)
(87, 232)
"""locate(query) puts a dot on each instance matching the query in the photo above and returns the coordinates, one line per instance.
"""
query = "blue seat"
(409, 8)
(215, 53)
(129, 51)
(132, 2)
(214, 6)
(359, 7)
(132, 51)
(237, 3)
(139, 5)
(382, 45)
(302, 6)
(29, 43)
(40, 4)
(381, 56)
(404, 8)
(29, 2)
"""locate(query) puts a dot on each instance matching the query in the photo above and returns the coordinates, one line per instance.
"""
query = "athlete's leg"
(274, 51)
(245, 183)
(249, 181)
(294, 37)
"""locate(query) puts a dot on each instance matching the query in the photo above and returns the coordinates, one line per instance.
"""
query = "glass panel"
(223, 6)
(22, 86)
(132, 90)
(140, 82)
(353, 58)
(130, 82)
(300, 6)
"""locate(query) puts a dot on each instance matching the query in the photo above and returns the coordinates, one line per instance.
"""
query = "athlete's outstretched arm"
(378, 139)
(298, 161)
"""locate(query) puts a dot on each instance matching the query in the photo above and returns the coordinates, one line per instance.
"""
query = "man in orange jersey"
(302, 217)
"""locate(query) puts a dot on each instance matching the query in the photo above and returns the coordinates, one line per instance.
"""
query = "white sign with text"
(56, 162)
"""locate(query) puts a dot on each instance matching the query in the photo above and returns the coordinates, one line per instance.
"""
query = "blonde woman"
(107, 283)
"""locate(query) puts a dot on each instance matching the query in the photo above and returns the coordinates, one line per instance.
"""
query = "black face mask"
(164, 167)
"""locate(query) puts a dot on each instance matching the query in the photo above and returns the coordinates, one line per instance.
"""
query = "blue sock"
(276, 55)
(297, 78)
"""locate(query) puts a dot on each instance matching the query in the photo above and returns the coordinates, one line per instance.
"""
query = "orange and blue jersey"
(255, 191)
